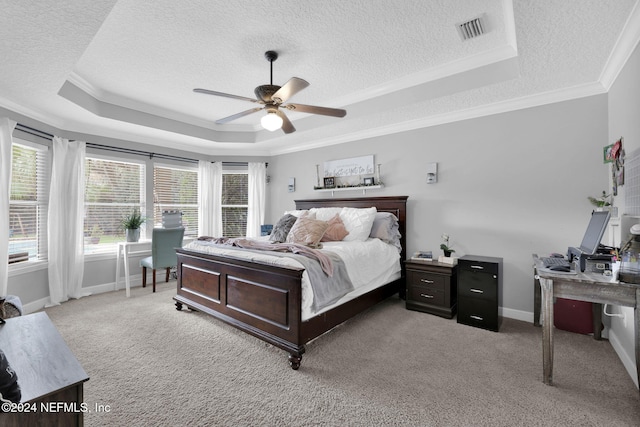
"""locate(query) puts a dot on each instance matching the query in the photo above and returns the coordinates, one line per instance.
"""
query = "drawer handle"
(478, 267)
(476, 318)
(477, 291)
(426, 296)
(426, 281)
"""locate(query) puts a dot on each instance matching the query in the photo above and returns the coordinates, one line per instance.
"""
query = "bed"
(265, 300)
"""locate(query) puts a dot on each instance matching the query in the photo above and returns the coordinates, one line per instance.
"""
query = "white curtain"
(66, 220)
(257, 193)
(6, 129)
(210, 198)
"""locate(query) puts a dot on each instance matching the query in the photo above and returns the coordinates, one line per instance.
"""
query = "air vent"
(471, 29)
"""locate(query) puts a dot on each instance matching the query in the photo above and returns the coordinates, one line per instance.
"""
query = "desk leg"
(126, 271)
(546, 286)
(596, 311)
(636, 317)
(536, 299)
(118, 254)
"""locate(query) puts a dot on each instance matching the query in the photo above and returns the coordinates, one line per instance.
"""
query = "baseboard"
(525, 316)
(34, 306)
(626, 360)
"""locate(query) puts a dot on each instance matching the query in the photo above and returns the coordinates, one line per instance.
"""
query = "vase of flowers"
(445, 245)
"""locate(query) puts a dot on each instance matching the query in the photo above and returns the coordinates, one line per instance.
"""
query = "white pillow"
(358, 222)
(325, 214)
(296, 213)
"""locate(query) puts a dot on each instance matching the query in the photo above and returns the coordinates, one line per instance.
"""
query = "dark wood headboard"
(397, 205)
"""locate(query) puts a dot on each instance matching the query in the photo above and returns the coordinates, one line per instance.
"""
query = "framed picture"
(368, 181)
(329, 182)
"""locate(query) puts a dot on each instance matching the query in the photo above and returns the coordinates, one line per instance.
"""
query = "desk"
(590, 287)
(126, 249)
(48, 372)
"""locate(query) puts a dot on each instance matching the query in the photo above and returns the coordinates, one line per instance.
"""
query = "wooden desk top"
(39, 355)
(592, 287)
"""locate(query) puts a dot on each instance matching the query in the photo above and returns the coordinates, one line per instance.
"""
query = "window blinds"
(235, 202)
(176, 188)
(113, 190)
(28, 202)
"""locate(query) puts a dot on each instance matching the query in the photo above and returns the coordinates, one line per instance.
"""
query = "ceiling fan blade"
(238, 115)
(287, 126)
(312, 109)
(290, 88)
(226, 95)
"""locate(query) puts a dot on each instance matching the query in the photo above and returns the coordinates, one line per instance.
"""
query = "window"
(176, 188)
(235, 202)
(28, 202)
(113, 190)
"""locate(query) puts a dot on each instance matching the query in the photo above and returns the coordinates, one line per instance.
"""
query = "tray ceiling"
(126, 69)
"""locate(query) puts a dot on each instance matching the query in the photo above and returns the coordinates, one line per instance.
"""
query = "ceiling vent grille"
(471, 29)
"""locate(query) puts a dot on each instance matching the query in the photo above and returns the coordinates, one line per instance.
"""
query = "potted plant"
(601, 201)
(445, 245)
(131, 223)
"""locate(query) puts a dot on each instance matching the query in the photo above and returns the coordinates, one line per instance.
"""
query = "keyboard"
(551, 261)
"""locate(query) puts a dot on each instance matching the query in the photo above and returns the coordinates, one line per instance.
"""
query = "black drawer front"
(420, 294)
(430, 280)
(478, 313)
(472, 284)
(479, 266)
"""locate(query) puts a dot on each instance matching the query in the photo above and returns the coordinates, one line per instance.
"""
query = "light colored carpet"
(155, 366)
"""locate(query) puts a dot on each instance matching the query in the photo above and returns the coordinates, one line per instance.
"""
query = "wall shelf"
(364, 188)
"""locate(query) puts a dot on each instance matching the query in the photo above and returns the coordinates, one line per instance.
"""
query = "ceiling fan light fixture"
(271, 121)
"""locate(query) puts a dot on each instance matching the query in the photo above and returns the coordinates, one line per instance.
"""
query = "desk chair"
(164, 242)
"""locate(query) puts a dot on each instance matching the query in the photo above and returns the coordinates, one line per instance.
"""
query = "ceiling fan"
(273, 97)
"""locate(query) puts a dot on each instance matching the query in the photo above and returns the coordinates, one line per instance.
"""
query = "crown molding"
(623, 49)
(551, 97)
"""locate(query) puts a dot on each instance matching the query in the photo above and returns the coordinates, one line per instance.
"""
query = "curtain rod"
(151, 155)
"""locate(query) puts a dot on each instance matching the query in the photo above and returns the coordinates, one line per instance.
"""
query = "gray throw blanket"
(327, 271)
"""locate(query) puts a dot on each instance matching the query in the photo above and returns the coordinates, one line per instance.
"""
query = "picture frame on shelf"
(369, 181)
(329, 182)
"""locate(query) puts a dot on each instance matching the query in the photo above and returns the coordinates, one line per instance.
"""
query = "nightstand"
(479, 284)
(431, 287)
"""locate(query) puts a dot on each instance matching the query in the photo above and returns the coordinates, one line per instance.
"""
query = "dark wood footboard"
(260, 299)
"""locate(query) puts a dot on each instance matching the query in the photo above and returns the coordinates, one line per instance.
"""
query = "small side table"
(431, 288)
(125, 249)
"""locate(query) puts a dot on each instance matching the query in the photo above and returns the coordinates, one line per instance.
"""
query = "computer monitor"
(595, 231)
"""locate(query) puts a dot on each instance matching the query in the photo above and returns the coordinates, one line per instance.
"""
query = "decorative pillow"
(307, 231)
(386, 228)
(335, 231)
(358, 222)
(282, 228)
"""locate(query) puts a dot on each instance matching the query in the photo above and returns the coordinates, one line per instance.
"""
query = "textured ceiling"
(126, 69)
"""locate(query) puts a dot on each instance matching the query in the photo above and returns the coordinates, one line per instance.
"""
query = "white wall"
(508, 185)
(624, 114)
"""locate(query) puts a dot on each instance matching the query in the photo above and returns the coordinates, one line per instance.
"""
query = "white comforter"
(369, 264)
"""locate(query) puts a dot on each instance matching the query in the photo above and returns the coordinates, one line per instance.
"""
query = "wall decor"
(349, 167)
(329, 182)
(616, 154)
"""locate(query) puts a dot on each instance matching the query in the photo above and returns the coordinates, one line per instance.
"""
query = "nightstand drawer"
(477, 285)
(421, 294)
(430, 280)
